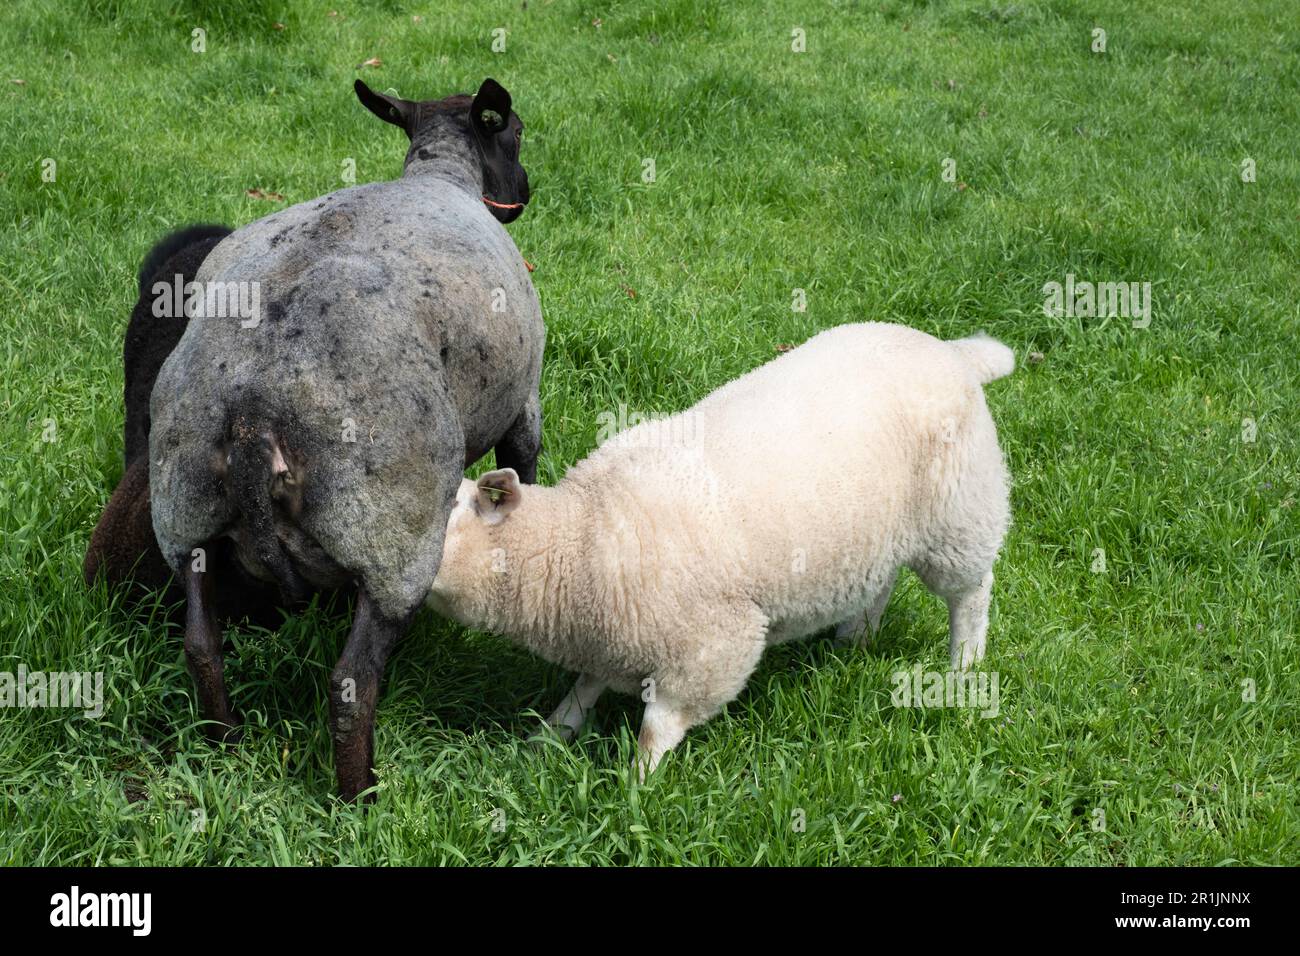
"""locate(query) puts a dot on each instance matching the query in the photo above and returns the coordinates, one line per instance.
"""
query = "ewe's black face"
(484, 124)
(499, 133)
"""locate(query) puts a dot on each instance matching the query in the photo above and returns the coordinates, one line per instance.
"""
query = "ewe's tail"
(172, 243)
(986, 355)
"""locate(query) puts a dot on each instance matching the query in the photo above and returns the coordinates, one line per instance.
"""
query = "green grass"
(1120, 691)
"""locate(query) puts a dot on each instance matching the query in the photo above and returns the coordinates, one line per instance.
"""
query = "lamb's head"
(475, 553)
(482, 128)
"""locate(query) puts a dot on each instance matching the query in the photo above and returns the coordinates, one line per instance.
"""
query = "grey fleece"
(376, 307)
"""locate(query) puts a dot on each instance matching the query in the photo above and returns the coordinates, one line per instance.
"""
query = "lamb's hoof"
(643, 769)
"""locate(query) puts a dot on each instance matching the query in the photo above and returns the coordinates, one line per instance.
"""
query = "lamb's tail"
(172, 243)
(256, 462)
(986, 355)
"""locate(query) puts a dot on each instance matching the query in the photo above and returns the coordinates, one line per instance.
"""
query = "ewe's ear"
(490, 111)
(498, 495)
(390, 109)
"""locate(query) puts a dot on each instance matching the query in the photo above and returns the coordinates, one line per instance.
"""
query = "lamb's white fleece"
(781, 504)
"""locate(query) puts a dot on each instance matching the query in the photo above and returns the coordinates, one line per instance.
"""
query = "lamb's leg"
(354, 690)
(968, 623)
(663, 725)
(863, 626)
(967, 592)
(712, 675)
(122, 546)
(570, 717)
(522, 442)
(203, 639)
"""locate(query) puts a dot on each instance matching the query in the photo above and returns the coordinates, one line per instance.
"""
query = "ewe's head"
(482, 127)
(474, 558)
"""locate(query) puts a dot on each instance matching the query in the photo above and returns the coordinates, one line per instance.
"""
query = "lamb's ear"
(498, 495)
(390, 109)
(490, 111)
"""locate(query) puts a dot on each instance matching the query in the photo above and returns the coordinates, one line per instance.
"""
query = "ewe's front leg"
(571, 716)
(522, 442)
(354, 690)
(203, 639)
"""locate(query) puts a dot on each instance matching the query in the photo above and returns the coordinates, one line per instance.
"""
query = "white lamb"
(782, 504)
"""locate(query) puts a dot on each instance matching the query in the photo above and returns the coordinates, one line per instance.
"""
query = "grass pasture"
(1148, 710)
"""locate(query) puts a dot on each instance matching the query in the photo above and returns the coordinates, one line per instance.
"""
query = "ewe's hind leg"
(522, 442)
(570, 717)
(203, 640)
(354, 691)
